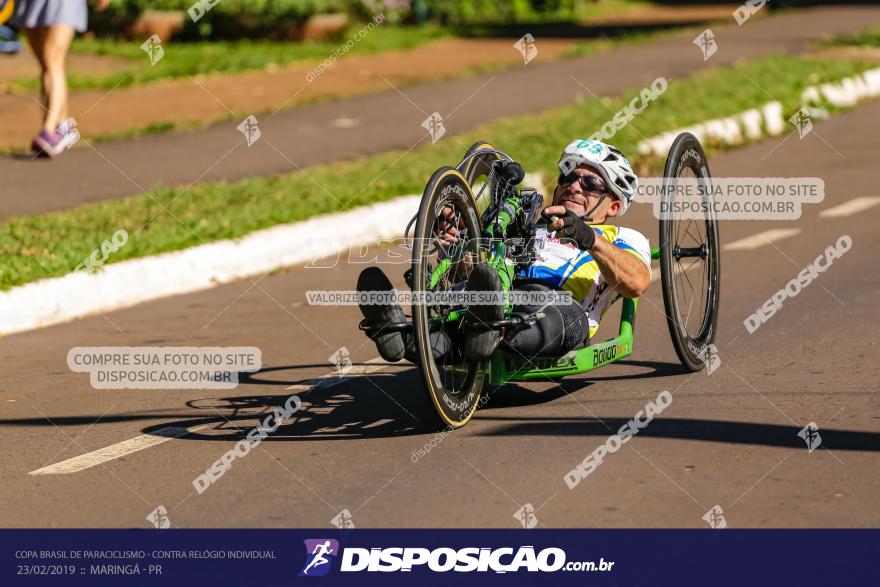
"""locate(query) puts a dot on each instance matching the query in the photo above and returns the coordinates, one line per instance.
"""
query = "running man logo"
(250, 128)
(715, 518)
(343, 520)
(159, 518)
(802, 121)
(434, 125)
(706, 42)
(154, 50)
(527, 48)
(708, 354)
(526, 516)
(320, 553)
(342, 361)
(810, 435)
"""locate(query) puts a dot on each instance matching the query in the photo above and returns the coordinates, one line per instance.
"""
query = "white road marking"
(114, 451)
(850, 207)
(144, 441)
(345, 122)
(760, 240)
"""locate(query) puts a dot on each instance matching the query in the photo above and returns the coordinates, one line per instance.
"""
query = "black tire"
(692, 322)
(454, 384)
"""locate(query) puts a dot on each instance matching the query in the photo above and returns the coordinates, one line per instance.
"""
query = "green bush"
(504, 11)
(262, 15)
(229, 19)
(267, 10)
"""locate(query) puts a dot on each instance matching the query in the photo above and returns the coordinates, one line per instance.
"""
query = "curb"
(768, 120)
(750, 125)
(126, 283)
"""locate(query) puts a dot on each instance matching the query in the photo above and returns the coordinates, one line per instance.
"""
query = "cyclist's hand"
(447, 227)
(553, 215)
(568, 224)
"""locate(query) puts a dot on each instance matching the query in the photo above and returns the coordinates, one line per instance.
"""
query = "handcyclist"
(580, 253)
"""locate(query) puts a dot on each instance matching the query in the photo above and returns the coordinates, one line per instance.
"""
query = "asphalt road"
(311, 135)
(729, 439)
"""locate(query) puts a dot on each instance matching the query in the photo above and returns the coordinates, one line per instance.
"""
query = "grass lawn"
(194, 58)
(51, 244)
(867, 38)
(600, 44)
(183, 59)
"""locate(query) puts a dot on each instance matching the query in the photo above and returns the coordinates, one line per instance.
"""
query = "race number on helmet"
(606, 160)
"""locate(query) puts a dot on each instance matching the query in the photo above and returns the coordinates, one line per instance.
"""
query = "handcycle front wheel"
(453, 383)
(689, 257)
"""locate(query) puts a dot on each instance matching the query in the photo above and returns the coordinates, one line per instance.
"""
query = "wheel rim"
(691, 285)
(453, 383)
(690, 259)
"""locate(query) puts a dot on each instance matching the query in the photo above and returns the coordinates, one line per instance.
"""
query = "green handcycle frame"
(505, 367)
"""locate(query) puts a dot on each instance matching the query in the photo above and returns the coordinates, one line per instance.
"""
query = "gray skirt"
(31, 14)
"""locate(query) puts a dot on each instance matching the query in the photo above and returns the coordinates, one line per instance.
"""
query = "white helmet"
(608, 161)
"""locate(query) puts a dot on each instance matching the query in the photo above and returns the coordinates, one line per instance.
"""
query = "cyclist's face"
(574, 198)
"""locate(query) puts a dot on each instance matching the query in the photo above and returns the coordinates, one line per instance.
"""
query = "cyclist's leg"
(563, 328)
(389, 344)
(479, 344)
(393, 346)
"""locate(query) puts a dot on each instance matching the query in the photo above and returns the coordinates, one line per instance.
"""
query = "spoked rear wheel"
(453, 383)
(689, 257)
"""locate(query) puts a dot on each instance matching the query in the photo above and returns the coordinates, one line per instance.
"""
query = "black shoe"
(480, 344)
(390, 344)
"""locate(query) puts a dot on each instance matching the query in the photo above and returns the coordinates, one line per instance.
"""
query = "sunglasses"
(589, 183)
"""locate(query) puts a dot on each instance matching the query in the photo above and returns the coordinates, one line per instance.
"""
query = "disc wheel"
(453, 383)
(689, 256)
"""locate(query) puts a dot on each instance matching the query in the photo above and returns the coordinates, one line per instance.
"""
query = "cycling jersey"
(565, 266)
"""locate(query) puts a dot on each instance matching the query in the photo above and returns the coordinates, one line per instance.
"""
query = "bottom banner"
(353, 557)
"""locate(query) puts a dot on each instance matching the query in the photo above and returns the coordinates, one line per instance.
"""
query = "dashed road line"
(850, 207)
(115, 451)
(757, 241)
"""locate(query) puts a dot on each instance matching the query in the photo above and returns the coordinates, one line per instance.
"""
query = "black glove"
(574, 227)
